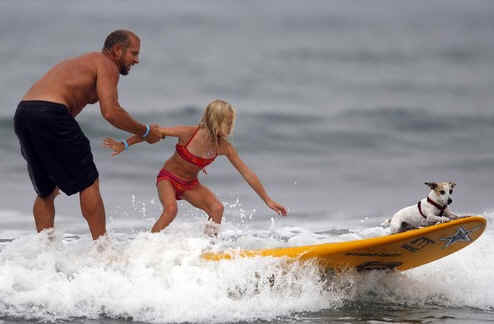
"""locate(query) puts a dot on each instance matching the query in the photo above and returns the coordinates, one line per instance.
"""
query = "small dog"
(428, 211)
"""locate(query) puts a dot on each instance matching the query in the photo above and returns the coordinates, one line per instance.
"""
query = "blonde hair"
(215, 116)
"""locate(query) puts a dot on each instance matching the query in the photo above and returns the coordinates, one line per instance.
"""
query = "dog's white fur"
(410, 217)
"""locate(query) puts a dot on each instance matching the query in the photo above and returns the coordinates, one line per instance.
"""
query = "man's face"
(129, 56)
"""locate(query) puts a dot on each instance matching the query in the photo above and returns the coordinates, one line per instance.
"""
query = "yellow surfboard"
(400, 251)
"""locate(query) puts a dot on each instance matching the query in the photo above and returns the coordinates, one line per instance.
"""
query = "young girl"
(197, 147)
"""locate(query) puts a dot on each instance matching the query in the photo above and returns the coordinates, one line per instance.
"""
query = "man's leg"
(93, 209)
(44, 211)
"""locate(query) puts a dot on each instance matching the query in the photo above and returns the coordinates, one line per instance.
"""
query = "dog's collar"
(433, 203)
(419, 205)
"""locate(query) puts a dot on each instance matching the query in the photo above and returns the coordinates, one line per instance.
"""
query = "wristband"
(147, 131)
(125, 144)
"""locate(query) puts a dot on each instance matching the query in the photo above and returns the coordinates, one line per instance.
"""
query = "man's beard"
(124, 70)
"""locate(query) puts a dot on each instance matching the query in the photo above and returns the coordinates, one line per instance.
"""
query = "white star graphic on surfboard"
(460, 235)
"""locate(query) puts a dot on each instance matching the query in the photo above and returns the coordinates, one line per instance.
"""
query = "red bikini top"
(189, 157)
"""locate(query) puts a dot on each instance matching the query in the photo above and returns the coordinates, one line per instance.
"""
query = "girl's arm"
(176, 131)
(118, 147)
(251, 178)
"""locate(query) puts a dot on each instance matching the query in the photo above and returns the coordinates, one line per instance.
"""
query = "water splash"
(161, 277)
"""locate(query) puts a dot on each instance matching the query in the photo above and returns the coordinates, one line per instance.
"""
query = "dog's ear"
(431, 185)
(452, 184)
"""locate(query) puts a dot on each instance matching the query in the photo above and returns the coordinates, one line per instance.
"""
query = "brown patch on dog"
(441, 186)
(431, 185)
(438, 186)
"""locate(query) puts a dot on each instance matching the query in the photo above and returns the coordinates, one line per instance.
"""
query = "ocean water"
(344, 110)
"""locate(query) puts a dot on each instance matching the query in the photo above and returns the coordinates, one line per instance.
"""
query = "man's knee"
(94, 187)
(51, 196)
(91, 194)
(90, 198)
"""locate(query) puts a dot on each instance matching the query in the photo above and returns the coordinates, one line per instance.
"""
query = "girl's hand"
(116, 147)
(279, 209)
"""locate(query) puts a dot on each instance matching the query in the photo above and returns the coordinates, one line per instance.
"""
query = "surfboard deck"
(400, 251)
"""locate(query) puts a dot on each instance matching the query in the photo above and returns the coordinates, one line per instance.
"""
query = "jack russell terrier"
(428, 211)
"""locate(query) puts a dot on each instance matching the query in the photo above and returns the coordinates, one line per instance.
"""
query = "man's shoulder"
(97, 57)
(101, 61)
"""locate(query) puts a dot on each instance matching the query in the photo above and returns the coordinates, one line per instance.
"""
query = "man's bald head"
(122, 47)
(120, 36)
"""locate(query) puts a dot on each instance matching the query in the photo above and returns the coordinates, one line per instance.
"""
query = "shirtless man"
(57, 152)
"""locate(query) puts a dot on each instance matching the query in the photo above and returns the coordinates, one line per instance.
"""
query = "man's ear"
(117, 50)
(431, 185)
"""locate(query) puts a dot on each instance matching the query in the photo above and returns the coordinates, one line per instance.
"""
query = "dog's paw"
(386, 223)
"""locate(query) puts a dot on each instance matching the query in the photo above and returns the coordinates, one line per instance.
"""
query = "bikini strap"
(190, 139)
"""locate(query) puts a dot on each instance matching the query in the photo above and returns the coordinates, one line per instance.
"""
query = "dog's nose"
(450, 201)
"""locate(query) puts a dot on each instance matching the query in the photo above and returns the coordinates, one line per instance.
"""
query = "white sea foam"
(161, 277)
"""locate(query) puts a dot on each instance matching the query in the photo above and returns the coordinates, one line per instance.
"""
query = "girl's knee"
(216, 212)
(218, 208)
(171, 210)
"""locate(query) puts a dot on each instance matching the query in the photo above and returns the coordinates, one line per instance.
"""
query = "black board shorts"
(57, 152)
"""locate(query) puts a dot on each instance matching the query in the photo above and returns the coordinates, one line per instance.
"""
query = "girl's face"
(226, 126)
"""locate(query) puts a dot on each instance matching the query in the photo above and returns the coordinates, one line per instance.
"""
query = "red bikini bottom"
(178, 184)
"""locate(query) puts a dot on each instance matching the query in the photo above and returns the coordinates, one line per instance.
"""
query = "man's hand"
(154, 134)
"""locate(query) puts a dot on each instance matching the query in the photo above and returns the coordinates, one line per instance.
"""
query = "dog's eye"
(450, 192)
(442, 192)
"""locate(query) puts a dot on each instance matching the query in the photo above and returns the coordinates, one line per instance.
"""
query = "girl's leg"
(202, 198)
(168, 199)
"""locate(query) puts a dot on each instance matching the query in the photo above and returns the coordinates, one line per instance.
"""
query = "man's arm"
(106, 87)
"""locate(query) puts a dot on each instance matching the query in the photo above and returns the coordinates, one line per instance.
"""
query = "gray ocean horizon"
(344, 110)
